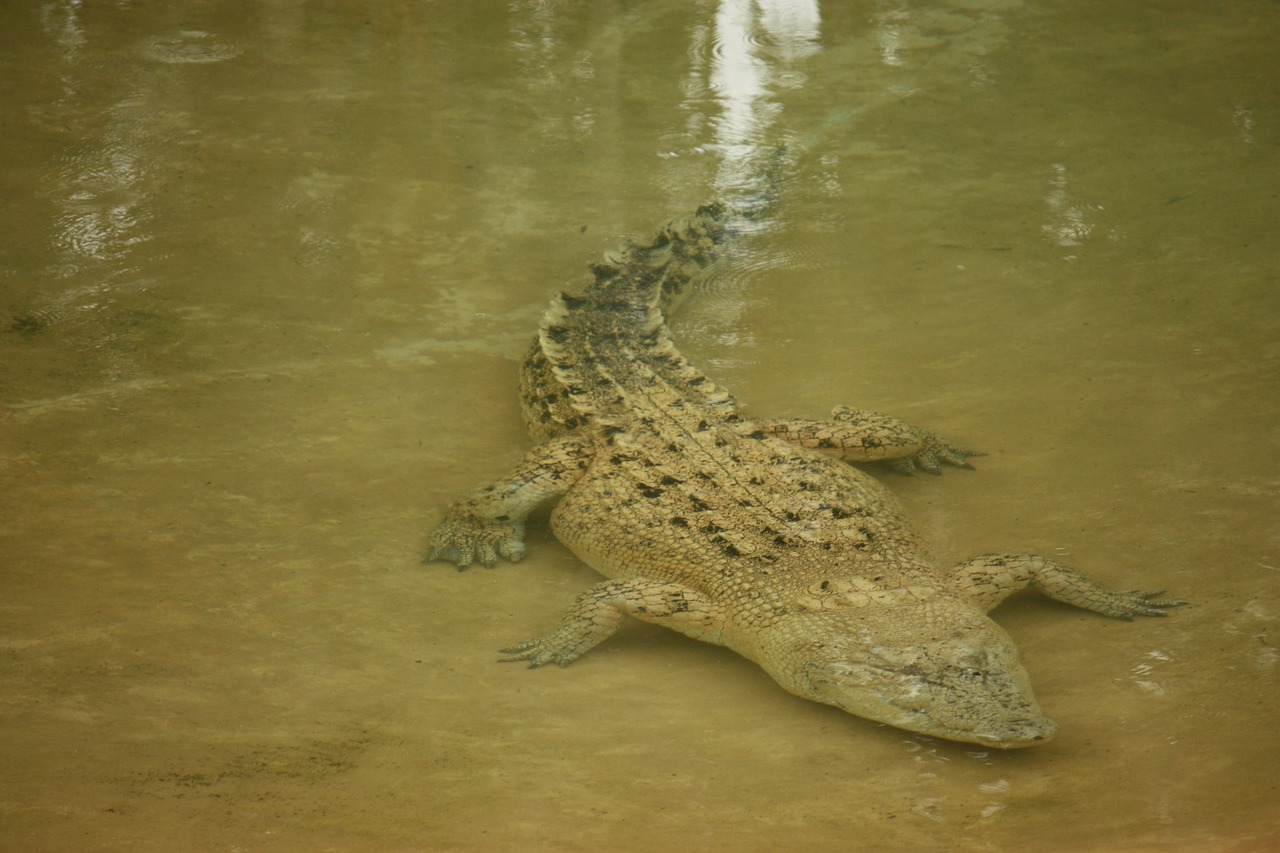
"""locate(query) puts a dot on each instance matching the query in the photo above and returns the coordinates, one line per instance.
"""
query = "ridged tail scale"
(610, 348)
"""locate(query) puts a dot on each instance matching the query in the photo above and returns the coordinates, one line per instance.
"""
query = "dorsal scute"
(614, 337)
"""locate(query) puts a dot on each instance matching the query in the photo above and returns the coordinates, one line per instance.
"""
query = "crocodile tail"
(614, 337)
(665, 267)
(615, 333)
(601, 369)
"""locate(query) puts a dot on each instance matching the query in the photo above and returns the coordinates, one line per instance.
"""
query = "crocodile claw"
(463, 538)
(936, 451)
(556, 648)
(1130, 603)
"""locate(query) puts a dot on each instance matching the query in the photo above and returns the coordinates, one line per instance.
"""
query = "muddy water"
(266, 273)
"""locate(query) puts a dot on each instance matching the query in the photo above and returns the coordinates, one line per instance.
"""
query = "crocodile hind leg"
(865, 436)
(991, 578)
(490, 523)
(595, 615)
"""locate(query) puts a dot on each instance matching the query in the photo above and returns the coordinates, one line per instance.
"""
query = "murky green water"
(266, 272)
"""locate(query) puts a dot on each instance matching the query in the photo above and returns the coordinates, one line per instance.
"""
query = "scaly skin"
(749, 533)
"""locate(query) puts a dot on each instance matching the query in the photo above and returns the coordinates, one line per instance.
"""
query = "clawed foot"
(1130, 603)
(936, 451)
(883, 431)
(561, 647)
(463, 538)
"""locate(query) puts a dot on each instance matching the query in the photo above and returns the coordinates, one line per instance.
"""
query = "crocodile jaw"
(1022, 728)
(962, 682)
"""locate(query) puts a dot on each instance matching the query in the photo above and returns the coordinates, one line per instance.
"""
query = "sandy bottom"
(263, 289)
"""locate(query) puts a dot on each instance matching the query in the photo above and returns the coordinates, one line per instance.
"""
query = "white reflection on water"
(891, 26)
(1243, 119)
(754, 46)
(95, 189)
(1067, 222)
(62, 22)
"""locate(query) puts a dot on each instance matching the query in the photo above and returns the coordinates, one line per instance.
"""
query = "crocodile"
(756, 534)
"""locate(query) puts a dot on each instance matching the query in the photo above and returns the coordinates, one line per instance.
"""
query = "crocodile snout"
(1020, 733)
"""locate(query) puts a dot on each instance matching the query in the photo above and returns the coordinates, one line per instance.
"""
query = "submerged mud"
(267, 277)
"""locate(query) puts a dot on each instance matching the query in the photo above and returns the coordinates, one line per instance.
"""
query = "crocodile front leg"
(991, 578)
(490, 523)
(595, 615)
(865, 436)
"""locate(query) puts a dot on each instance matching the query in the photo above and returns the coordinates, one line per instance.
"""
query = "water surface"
(266, 275)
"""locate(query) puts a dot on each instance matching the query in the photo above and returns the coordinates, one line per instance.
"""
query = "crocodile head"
(940, 668)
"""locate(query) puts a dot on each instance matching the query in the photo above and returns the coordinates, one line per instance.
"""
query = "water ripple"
(188, 46)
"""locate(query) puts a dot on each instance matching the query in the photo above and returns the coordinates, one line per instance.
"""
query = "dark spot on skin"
(730, 551)
(603, 272)
(757, 435)
(668, 480)
(703, 426)
(650, 491)
(679, 521)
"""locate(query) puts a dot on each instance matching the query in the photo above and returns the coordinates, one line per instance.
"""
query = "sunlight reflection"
(63, 23)
(1067, 223)
(96, 183)
(101, 213)
(753, 45)
(890, 26)
(1243, 119)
